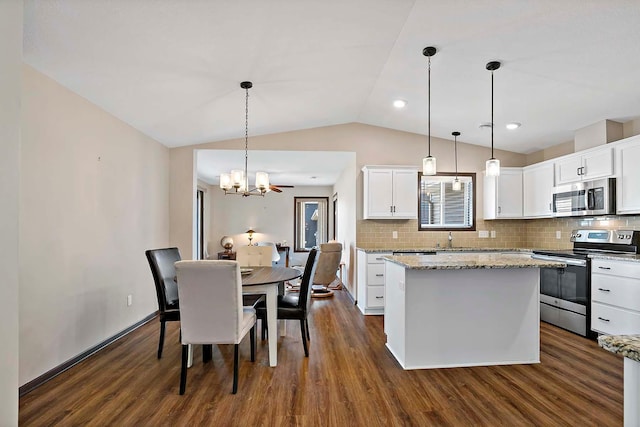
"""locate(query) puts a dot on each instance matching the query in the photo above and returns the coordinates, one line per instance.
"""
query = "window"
(442, 208)
(311, 219)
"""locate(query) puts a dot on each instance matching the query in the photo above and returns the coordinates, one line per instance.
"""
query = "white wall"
(94, 197)
(346, 192)
(10, 75)
(270, 216)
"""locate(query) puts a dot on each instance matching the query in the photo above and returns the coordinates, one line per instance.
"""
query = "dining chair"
(211, 310)
(295, 306)
(162, 262)
(326, 272)
(275, 255)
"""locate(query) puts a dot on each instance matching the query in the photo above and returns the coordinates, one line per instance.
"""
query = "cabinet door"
(378, 193)
(628, 161)
(568, 170)
(597, 164)
(510, 193)
(537, 189)
(405, 194)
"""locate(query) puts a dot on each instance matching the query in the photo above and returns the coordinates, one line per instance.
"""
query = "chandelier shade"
(237, 181)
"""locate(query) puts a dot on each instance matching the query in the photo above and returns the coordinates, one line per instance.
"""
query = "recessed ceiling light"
(399, 103)
(514, 125)
(486, 125)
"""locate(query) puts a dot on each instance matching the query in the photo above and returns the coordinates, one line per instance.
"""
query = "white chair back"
(328, 263)
(210, 295)
(275, 255)
(254, 256)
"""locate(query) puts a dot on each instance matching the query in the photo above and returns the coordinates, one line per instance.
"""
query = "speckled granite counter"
(459, 261)
(616, 257)
(629, 347)
(625, 345)
(444, 249)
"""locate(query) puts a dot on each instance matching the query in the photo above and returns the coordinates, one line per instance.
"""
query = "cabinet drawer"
(375, 274)
(616, 268)
(375, 296)
(614, 321)
(623, 292)
(376, 258)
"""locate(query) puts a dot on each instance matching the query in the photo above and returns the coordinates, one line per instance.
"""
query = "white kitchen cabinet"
(503, 194)
(628, 173)
(586, 165)
(615, 297)
(390, 192)
(537, 190)
(370, 275)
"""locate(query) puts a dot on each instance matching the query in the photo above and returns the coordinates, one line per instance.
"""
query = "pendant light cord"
(429, 106)
(492, 114)
(455, 149)
(246, 139)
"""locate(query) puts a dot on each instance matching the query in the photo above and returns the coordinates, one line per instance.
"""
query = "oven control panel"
(622, 237)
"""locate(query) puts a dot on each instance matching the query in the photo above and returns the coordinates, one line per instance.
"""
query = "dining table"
(264, 281)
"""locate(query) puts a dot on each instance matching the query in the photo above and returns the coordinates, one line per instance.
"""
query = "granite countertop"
(617, 257)
(625, 345)
(445, 249)
(460, 261)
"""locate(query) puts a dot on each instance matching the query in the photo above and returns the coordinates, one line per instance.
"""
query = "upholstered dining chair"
(326, 272)
(295, 306)
(275, 255)
(211, 310)
(254, 256)
(162, 262)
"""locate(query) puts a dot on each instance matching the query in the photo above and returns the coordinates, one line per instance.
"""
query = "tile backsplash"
(522, 233)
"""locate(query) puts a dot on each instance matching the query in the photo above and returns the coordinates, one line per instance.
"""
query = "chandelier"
(237, 181)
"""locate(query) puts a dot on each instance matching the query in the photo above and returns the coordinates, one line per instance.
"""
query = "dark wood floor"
(350, 379)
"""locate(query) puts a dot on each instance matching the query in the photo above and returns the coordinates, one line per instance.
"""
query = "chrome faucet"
(450, 240)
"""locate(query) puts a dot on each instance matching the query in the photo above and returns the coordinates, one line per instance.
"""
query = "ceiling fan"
(277, 188)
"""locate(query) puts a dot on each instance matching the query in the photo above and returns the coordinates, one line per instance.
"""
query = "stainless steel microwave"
(596, 197)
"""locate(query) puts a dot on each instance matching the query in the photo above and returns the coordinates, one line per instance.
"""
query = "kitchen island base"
(442, 318)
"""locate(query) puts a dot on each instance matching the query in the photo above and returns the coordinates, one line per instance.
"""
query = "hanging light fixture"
(237, 182)
(429, 162)
(456, 185)
(493, 164)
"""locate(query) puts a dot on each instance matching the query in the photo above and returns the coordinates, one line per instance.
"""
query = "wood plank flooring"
(350, 379)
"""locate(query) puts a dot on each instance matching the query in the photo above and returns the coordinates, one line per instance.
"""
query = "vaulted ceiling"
(172, 68)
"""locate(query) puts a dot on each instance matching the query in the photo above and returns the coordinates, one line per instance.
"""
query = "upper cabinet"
(537, 185)
(390, 192)
(586, 165)
(503, 194)
(628, 173)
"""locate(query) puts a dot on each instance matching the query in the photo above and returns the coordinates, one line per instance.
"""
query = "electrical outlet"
(129, 300)
(483, 234)
(558, 234)
(493, 234)
(395, 234)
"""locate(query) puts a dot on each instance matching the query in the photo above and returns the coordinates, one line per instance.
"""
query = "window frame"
(296, 214)
(472, 227)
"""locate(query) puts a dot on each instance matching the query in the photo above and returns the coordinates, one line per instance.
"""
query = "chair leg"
(207, 352)
(263, 322)
(236, 360)
(161, 341)
(306, 323)
(183, 369)
(252, 337)
(304, 338)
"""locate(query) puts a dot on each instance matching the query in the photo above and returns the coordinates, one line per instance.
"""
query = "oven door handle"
(568, 261)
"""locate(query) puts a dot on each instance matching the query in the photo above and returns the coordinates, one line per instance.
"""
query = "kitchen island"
(457, 310)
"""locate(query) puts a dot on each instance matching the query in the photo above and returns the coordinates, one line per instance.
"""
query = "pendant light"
(429, 162)
(456, 185)
(493, 164)
(237, 182)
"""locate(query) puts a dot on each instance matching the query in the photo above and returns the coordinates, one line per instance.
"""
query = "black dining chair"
(295, 306)
(162, 266)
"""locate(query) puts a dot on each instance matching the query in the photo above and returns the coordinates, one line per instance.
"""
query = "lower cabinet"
(370, 276)
(615, 297)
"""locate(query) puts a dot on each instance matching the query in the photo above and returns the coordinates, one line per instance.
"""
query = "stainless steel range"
(565, 293)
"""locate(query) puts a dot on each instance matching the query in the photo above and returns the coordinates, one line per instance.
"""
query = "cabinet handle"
(583, 171)
(603, 319)
(578, 171)
(394, 209)
(499, 209)
(378, 259)
(604, 268)
(604, 290)
(379, 297)
(390, 209)
(379, 275)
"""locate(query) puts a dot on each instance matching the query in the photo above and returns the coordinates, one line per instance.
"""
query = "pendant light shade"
(429, 162)
(493, 164)
(456, 185)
